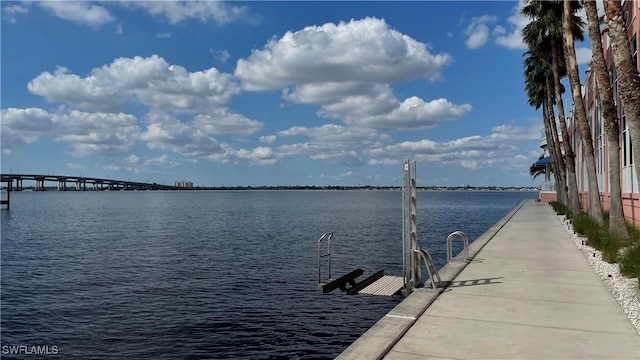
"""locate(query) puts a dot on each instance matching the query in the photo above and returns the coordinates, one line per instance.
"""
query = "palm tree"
(617, 223)
(627, 71)
(562, 184)
(544, 35)
(536, 75)
(580, 115)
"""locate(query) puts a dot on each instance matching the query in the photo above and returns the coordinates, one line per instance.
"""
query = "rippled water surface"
(221, 274)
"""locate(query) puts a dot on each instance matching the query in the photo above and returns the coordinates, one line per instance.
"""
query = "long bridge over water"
(15, 182)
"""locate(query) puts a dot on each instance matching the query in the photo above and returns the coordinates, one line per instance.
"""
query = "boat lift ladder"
(326, 238)
(414, 256)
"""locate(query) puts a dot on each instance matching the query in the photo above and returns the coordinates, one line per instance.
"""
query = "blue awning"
(542, 162)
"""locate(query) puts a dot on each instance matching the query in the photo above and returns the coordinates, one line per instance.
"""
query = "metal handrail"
(326, 237)
(427, 260)
(548, 186)
(465, 240)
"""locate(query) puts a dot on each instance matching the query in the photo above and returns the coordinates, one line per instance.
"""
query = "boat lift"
(414, 257)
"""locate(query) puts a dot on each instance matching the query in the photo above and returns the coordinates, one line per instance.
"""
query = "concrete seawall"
(528, 293)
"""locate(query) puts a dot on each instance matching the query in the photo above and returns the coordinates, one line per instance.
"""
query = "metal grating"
(385, 286)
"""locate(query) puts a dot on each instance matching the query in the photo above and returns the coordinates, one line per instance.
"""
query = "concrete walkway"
(529, 293)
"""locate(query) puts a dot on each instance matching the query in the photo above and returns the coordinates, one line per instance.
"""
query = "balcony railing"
(548, 186)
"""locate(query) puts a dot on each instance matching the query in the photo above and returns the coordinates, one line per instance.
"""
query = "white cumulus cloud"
(583, 55)
(478, 31)
(359, 50)
(183, 110)
(470, 152)
(413, 113)
(23, 126)
(221, 55)
(268, 139)
(88, 133)
(222, 121)
(81, 12)
(178, 11)
(10, 12)
(166, 132)
(136, 165)
(512, 38)
(96, 133)
(347, 69)
(151, 81)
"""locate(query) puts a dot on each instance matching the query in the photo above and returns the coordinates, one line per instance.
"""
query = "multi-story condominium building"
(629, 179)
(183, 184)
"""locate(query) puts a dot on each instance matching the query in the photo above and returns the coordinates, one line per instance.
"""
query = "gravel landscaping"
(623, 289)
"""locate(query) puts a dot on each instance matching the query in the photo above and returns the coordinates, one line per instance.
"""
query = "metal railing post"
(326, 237)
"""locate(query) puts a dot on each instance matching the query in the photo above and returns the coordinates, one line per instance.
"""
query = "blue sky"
(267, 93)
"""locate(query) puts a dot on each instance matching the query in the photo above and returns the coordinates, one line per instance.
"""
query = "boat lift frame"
(414, 257)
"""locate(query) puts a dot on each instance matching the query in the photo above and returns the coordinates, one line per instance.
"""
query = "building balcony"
(548, 187)
(543, 142)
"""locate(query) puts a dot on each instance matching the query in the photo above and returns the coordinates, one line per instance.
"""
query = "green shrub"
(630, 261)
(597, 236)
(583, 224)
(610, 244)
(634, 233)
(560, 208)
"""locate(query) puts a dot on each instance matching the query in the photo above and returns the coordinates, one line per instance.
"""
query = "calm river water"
(215, 275)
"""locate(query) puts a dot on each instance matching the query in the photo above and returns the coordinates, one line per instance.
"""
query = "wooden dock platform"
(388, 285)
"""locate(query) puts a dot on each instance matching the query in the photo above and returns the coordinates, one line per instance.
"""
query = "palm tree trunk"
(628, 78)
(569, 155)
(617, 223)
(555, 165)
(580, 115)
(549, 138)
(562, 179)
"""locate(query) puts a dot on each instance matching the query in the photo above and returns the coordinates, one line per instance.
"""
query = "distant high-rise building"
(183, 184)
